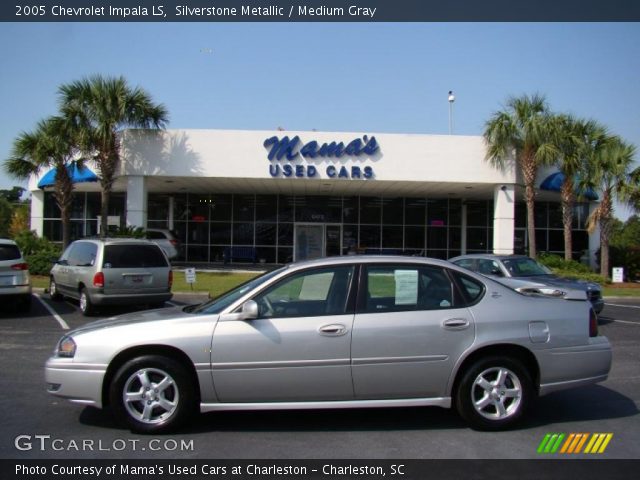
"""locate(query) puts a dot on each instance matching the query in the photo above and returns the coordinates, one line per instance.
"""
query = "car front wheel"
(152, 394)
(53, 290)
(86, 307)
(494, 393)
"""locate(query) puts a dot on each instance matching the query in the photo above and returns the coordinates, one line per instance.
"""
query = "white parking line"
(626, 321)
(618, 305)
(173, 303)
(53, 313)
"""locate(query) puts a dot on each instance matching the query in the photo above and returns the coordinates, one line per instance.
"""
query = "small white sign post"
(618, 275)
(190, 276)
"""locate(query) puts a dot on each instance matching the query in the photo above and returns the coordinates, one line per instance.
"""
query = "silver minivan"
(114, 271)
(15, 281)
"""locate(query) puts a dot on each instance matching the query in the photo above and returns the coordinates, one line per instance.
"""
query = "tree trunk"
(528, 168)
(63, 193)
(606, 224)
(104, 212)
(65, 216)
(567, 216)
(108, 162)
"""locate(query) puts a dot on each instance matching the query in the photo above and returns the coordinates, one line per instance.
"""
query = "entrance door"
(333, 240)
(309, 241)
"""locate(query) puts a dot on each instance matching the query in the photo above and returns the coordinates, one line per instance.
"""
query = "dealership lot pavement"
(36, 425)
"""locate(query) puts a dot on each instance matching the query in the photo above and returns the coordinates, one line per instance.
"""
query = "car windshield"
(525, 267)
(218, 304)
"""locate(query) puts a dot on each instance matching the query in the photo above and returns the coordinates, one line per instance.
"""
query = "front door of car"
(298, 349)
(410, 328)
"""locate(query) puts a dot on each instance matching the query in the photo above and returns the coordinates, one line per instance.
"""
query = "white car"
(15, 281)
(165, 239)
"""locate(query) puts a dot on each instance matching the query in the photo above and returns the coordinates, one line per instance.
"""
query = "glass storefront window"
(370, 211)
(370, 237)
(220, 233)
(437, 213)
(436, 237)
(392, 237)
(220, 209)
(266, 233)
(243, 233)
(392, 211)
(266, 208)
(157, 207)
(351, 209)
(243, 208)
(414, 237)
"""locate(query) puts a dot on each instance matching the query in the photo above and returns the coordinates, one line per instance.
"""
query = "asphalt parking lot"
(34, 424)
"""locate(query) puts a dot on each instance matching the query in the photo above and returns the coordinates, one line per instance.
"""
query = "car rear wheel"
(494, 393)
(86, 307)
(152, 394)
(54, 294)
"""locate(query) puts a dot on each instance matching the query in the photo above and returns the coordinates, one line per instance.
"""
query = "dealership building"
(277, 196)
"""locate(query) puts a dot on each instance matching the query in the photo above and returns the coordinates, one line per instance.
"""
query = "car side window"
(310, 293)
(472, 290)
(83, 254)
(406, 288)
(468, 263)
(488, 267)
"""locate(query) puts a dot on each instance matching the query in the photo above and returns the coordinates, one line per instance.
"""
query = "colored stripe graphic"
(574, 443)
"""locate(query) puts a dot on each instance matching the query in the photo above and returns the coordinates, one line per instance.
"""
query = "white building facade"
(276, 196)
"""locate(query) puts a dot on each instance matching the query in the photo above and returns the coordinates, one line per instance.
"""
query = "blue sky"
(384, 77)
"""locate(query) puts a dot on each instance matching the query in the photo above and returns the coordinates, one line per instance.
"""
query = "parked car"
(527, 275)
(15, 281)
(116, 271)
(166, 240)
(340, 332)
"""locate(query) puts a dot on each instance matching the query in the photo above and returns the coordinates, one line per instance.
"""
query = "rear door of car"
(81, 267)
(411, 326)
(134, 268)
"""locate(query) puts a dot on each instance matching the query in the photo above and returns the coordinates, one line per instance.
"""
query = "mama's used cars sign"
(285, 150)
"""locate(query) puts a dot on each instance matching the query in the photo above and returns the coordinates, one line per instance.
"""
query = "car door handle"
(333, 330)
(455, 323)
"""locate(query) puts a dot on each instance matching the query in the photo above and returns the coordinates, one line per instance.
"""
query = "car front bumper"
(78, 383)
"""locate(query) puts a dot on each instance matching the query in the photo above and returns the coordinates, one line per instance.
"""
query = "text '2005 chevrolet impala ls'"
(343, 332)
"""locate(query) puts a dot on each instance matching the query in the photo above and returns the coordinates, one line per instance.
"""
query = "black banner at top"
(320, 11)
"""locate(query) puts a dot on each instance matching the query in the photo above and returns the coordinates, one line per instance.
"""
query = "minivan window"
(133, 256)
(83, 254)
(9, 252)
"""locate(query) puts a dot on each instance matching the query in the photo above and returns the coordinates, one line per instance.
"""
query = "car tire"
(86, 307)
(494, 393)
(54, 294)
(152, 394)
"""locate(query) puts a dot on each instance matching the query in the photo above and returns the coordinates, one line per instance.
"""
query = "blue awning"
(78, 175)
(553, 183)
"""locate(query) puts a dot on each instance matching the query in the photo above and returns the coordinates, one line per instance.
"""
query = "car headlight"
(66, 347)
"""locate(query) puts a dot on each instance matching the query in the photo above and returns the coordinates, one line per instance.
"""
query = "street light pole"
(452, 99)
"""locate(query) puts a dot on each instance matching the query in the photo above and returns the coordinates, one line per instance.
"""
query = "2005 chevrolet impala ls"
(354, 331)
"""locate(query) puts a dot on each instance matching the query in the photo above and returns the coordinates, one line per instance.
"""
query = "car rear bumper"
(575, 366)
(79, 383)
(100, 298)
(15, 291)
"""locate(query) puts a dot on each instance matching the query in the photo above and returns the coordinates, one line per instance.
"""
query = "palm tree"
(102, 107)
(50, 145)
(609, 172)
(522, 133)
(577, 141)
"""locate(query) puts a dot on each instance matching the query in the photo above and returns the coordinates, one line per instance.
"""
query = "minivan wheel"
(53, 290)
(86, 307)
(152, 394)
(494, 393)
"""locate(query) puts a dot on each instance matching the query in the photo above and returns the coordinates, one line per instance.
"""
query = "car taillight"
(98, 280)
(174, 243)
(170, 279)
(20, 266)
(593, 323)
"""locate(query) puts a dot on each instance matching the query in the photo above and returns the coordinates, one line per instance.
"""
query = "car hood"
(561, 282)
(159, 315)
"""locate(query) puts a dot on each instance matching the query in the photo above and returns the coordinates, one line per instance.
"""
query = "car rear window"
(9, 252)
(133, 256)
(156, 236)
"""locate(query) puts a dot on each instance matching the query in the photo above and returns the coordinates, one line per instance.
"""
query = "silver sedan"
(345, 332)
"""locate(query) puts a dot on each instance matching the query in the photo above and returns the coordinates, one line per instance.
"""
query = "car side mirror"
(248, 311)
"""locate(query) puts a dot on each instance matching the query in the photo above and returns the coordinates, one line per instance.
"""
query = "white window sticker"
(406, 287)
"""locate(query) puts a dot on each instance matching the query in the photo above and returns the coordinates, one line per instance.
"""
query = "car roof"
(7, 241)
(116, 240)
(487, 255)
(350, 259)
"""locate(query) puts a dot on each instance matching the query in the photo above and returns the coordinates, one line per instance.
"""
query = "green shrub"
(569, 268)
(37, 251)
